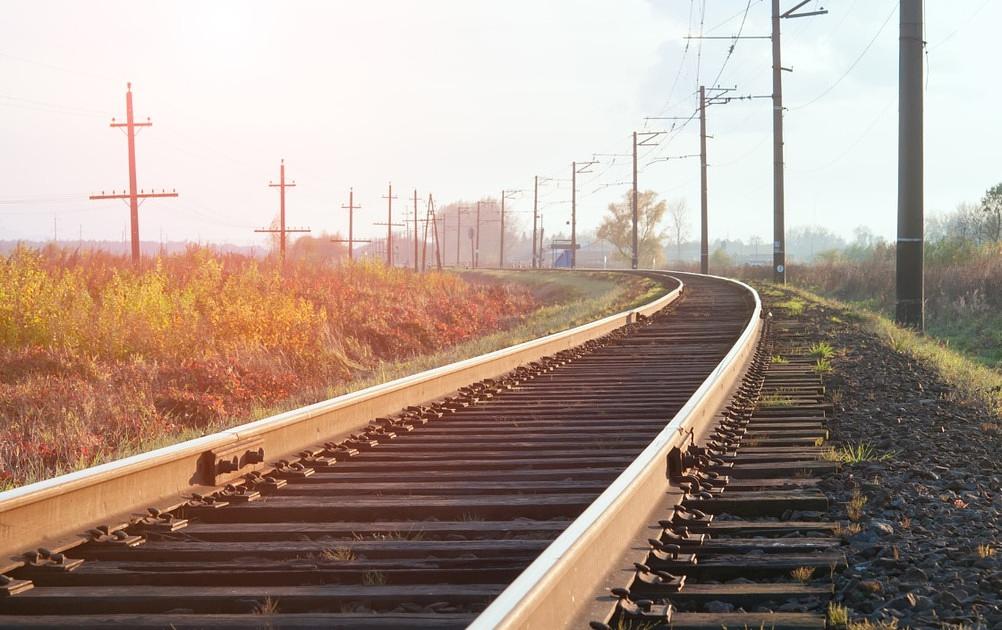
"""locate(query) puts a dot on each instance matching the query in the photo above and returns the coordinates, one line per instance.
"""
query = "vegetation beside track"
(969, 379)
(99, 360)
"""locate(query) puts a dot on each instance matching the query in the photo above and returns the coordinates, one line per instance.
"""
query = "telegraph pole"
(535, 216)
(389, 225)
(704, 237)
(476, 244)
(351, 208)
(910, 309)
(282, 230)
(460, 211)
(133, 195)
(501, 248)
(415, 230)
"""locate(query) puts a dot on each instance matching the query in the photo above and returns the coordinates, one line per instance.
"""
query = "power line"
(866, 48)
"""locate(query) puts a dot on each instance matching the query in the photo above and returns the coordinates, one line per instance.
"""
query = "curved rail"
(55, 512)
(558, 584)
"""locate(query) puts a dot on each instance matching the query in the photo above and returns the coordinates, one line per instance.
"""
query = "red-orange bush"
(96, 355)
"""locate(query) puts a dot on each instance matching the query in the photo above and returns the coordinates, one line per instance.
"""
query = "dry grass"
(854, 454)
(374, 578)
(802, 574)
(338, 554)
(267, 607)
(986, 551)
(854, 507)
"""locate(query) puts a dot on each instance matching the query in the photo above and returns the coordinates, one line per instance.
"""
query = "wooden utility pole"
(389, 225)
(476, 244)
(282, 230)
(351, 208)
(460, 211)
(133, 195)
(910, 308)
(415, 230)
(501, 236)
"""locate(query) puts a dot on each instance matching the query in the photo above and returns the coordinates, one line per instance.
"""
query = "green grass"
(569, 299)
(821, 350)
(855, 454)
(793, 306)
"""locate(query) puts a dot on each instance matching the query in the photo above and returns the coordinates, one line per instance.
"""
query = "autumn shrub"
(95, 353)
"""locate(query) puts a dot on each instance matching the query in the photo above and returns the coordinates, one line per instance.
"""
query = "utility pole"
(704, 237)
(476, 244)
(282, 230)
(778, 195)
(389, 225)
(133, 195)
(535, 216)
(634, 261)
(577, 168)
(460, 210)
(501, 248)
(351, 208)
(415, 230)
(910, 309)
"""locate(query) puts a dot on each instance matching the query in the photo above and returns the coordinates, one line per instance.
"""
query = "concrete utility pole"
(634, 261)
(282, 230)
(351, 208)
(704, 236)
(778, 194)
(133, 195)
(910, 310)
(577, 168)
(535, 217)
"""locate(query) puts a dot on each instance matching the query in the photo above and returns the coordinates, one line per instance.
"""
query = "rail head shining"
(54, 513)
(566, 574)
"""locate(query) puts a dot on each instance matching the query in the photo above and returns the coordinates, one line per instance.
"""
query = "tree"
(991, 206)
(678, 224)
(617, 227)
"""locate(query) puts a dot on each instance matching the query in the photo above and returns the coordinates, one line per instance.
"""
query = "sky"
(464, 98)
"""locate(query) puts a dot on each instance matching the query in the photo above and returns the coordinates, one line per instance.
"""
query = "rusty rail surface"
(57, 512)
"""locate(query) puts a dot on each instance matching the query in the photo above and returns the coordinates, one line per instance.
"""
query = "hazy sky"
(463, 98)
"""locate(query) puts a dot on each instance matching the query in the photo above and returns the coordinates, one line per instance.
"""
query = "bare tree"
(678, 224)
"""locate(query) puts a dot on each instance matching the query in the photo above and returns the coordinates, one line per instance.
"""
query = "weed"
(777, 359)
(392, 535)
(793, 306)
(471, 517)
(866, 624)
(837, 615)
(821, 350)
(823, 366)
(855, 454)
(774, 400)
(986, 551)
(374, 578)
(819, 441)
(803, 473)
(802, 574)
(339, 554)
(267, 607)
(854, 507)
(847, 530)
(836, 396)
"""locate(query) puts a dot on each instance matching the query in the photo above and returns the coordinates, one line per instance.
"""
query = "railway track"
(468, 508)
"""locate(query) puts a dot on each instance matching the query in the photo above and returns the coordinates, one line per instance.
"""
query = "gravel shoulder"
(920, 491)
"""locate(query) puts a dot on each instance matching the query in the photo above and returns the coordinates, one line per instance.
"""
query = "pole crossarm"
(287, 230)
(139, 195)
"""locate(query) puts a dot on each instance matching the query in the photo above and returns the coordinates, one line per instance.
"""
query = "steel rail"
(558, 585)
(54, 513)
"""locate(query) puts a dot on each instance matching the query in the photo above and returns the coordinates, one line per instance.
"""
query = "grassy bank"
(971, 381)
